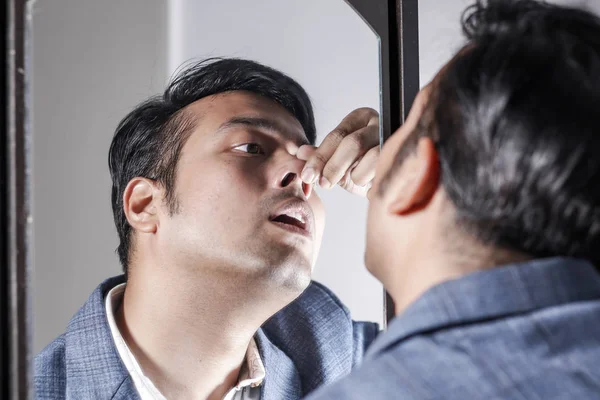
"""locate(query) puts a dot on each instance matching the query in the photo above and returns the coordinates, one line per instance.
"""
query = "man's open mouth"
(295, 220)
(295, 216)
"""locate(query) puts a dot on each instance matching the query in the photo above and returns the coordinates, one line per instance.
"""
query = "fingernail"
(324, 183)
(308, 175)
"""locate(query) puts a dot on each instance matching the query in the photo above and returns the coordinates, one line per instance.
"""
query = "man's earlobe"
(140, 205)
(417, 181)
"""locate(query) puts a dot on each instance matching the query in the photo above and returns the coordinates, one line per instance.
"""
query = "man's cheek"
(319, 214)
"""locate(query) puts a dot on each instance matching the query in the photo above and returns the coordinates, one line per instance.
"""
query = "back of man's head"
(515, 118)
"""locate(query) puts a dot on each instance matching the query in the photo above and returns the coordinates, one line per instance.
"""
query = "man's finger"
(314, 165)
(305, 152)
(358, 119)
(347, 184)
(354, 121)
(364, 172)
(352, 147)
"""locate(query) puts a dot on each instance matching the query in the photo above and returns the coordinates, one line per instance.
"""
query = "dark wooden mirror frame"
(394, 21)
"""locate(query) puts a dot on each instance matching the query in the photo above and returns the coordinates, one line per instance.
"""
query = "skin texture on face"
(236, 171)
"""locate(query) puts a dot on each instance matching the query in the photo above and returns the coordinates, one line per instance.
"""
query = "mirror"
(73, 69)
(92, 62)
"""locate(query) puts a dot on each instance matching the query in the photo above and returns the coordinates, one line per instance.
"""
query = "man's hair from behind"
(148, 141)
(515, 117)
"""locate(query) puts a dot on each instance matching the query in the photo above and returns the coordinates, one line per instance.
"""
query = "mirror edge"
(15, 202)
(396, 22)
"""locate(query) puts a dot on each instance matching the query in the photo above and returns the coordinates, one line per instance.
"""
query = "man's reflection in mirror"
(219, 226)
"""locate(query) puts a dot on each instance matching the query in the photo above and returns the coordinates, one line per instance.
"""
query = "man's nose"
(289, 175)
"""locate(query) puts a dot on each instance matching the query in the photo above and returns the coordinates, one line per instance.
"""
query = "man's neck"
(189, 337)
(438, 264)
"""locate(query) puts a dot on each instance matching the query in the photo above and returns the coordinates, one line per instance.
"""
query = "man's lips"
(294, 215)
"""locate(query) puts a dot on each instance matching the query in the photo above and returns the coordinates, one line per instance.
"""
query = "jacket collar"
(282, 380)
(491, 294)
(92, 361)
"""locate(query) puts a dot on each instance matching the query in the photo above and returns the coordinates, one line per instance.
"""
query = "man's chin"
(282, 268)
(294, 276)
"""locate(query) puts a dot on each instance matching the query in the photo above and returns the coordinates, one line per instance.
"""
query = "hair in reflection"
(148, 141)
(515, 117)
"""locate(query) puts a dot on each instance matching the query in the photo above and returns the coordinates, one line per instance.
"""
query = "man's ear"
(415, 184)
(140, 203)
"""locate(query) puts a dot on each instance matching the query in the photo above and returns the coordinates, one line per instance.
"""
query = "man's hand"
(347, 156)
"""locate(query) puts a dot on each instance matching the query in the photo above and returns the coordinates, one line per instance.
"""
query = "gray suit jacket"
(523, 332)
(311, 342)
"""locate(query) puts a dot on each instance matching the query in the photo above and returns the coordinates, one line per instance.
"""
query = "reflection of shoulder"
(49, 371)
(320, 319)
(319, 294)
(363, 333)
(321, 303)
(316, 305)
(317, 333)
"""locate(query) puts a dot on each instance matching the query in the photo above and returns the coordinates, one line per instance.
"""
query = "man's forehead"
(267, 124)
(244, 109)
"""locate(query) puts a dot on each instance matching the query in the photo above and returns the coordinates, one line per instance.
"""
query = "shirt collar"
(252, 372)
(494, 293)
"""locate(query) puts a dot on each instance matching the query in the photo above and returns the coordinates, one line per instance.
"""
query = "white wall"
(440, 35)
(93, 61)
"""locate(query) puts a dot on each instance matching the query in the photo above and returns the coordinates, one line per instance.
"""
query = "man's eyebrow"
(262, 124)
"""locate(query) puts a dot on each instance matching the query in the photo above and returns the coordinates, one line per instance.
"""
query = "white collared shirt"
(251, 376)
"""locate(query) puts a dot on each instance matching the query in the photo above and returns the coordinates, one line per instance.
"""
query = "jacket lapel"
(126, 391)
(282, 381)
(94, 368)
(316, 332)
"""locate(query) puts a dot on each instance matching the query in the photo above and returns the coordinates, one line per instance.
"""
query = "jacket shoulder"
(49, 371)
(318, 334)
(318, 307)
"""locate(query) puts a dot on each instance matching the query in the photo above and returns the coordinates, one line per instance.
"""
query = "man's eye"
(250, 148)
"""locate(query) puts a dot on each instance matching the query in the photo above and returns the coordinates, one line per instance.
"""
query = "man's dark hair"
(148, 141)
(515, 117)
